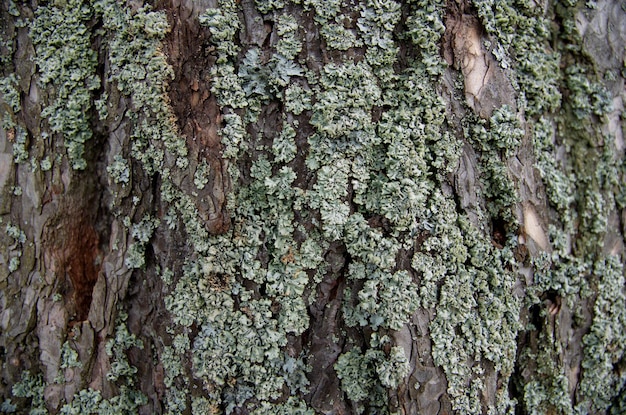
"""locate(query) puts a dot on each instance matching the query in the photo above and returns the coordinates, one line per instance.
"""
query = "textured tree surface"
(312, 207)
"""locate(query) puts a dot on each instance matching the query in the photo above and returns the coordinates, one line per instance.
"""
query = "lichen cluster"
(343, 169)
(583, 189)
(360, 169)
(86, 401)
(67, 62)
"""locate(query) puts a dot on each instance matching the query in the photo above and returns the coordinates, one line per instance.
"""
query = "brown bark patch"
(81, 266)
(74, 250)
(191, 55)
(486, 85)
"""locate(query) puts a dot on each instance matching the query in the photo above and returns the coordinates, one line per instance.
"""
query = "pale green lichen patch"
(359, 160)
(579, 165)
(289, 45)
(223, 22)
(10, 95)
(264, 80)
(477, 317)
(586, 96)
(31, 387)
(119, 170)
(425, 28)
(386, 299)
(559, 183)
(15, 249)
(605, 344)
(332, 24)
(498, 142)
(523, 28)
(141, 233)
(376, 24)
(67, 62)
(128, 400)
(141, 72)
(20, 145)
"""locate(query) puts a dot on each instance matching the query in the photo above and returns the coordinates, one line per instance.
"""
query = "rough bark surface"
(312, 207)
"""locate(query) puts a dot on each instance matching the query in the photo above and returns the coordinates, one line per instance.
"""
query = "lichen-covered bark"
(312, 207)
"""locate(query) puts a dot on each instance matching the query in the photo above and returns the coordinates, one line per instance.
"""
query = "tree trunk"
(312, 207)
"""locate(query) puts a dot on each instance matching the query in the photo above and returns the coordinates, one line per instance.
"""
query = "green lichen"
(228, 87)
(386, 299)
(223, 23)
(289, 45)
(477, 316)
(233, 134)
(141, 233)
(119, 170)
(548, 389)
(425, 28)
(141, 72)
(67, 62)
(284, 146)
(559, 183)
(605, 344)
(7, 407)
(526, 31)
(365, 375)
(498, 141)
(10, 93)
(586, 98)
(128, 400)
(293, 406)
(20, 145)
(201, 176)
(266, 6)
(265, 80)
(357, 375)
(297, 99)
(332, 27)
(338, 37)
(376, 160)
(376, 24)
(69, 357)
(15, 249)
(31, 387)
(89, 401)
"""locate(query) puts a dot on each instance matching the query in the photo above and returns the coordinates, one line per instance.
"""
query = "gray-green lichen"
(141, 73)
(67, 62)
(605, 343)
(31, 387)
(360, 160)
(578, 163)
(15, 248)
(128, 399)
(387, 164)
(10, 94)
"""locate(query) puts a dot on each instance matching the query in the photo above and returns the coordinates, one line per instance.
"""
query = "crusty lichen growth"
(128, 399)
(390, 168)
(141, 72)
(67, 62)
(355, 152)
(388, 165)
(580, 167)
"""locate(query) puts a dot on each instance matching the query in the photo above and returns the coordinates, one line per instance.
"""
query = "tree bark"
(312, 207)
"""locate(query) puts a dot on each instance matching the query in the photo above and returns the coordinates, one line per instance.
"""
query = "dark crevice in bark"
(146, 315)
(198, 116)
(77, 235)
(325, 325)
